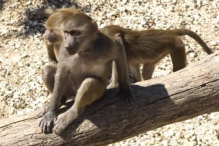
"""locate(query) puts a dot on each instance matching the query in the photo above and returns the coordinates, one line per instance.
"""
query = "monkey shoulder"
(103, 40)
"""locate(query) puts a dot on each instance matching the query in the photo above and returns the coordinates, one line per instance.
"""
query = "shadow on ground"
(36, 23)
(2, 4)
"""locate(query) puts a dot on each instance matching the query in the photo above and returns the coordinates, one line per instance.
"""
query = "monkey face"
(72, 39)
(52, 36)
(78, 30)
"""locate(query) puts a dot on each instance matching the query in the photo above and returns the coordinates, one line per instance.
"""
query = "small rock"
(4, 31)
(213, 43)
(34, 23)
(218, 18)
(174, 2)
(165, 143)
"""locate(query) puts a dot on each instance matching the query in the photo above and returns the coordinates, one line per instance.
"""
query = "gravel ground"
(23, 54)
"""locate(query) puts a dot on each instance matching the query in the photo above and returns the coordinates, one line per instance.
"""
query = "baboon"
(53, 35)
(85, 60)
(148, 47)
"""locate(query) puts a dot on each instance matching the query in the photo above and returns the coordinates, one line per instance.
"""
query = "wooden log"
(179, 96)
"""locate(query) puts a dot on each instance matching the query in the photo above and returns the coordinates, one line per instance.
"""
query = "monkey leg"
(114, 77)
(135, 69)
(148, 70)
(178, 55)
(90, 90)
(48, 77)
(59, 82)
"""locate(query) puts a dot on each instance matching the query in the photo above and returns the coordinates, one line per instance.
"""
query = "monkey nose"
(70, 47)
(67, 48)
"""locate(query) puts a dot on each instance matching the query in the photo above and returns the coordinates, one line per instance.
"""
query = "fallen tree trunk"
(179, 96)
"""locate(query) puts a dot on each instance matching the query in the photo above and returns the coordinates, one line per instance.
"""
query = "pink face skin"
(51, 36)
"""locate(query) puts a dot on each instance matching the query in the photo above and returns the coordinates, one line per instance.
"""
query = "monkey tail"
(196, 38)
(46, 11)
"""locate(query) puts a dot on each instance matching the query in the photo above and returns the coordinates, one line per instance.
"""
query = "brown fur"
(148, 47)
(53, 35)
(84, 65)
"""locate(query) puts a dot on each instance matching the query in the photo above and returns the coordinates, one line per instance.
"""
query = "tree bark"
(179, 96)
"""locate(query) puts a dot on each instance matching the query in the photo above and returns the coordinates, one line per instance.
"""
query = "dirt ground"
(23, 54)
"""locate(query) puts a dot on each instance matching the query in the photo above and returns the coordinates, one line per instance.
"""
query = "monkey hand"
(64, 120)
(46, 123)
(126, 95)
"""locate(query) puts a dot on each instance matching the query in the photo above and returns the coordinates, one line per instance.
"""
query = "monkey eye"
(74, 32)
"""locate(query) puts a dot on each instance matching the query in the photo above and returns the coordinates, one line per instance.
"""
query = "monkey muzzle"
(72, 48)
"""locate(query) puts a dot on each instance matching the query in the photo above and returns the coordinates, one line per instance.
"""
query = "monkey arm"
(61, 80)
(50, 52)
(122, 72)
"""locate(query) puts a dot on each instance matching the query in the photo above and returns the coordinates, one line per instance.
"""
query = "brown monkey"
(53, 35)
(148, 47)
(85, 60)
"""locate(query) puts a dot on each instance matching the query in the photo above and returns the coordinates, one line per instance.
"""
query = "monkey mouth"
(71, 49)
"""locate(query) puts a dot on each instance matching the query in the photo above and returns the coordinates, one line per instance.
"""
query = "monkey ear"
(95, 24)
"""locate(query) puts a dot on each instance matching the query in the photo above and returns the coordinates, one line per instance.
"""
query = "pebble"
(21, 86)
(213, 43)
(218, 18)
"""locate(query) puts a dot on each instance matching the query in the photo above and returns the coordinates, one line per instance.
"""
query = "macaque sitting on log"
(148, 47)
(85, 60)
(53, 35)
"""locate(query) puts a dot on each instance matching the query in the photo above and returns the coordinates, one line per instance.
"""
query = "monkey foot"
(64, 120)
(46, 123)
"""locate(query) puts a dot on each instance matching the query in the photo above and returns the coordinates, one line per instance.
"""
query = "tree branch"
(179, 96)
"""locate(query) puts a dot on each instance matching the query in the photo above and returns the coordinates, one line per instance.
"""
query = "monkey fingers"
(64, 120)
(46, 123)
(127, 95)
